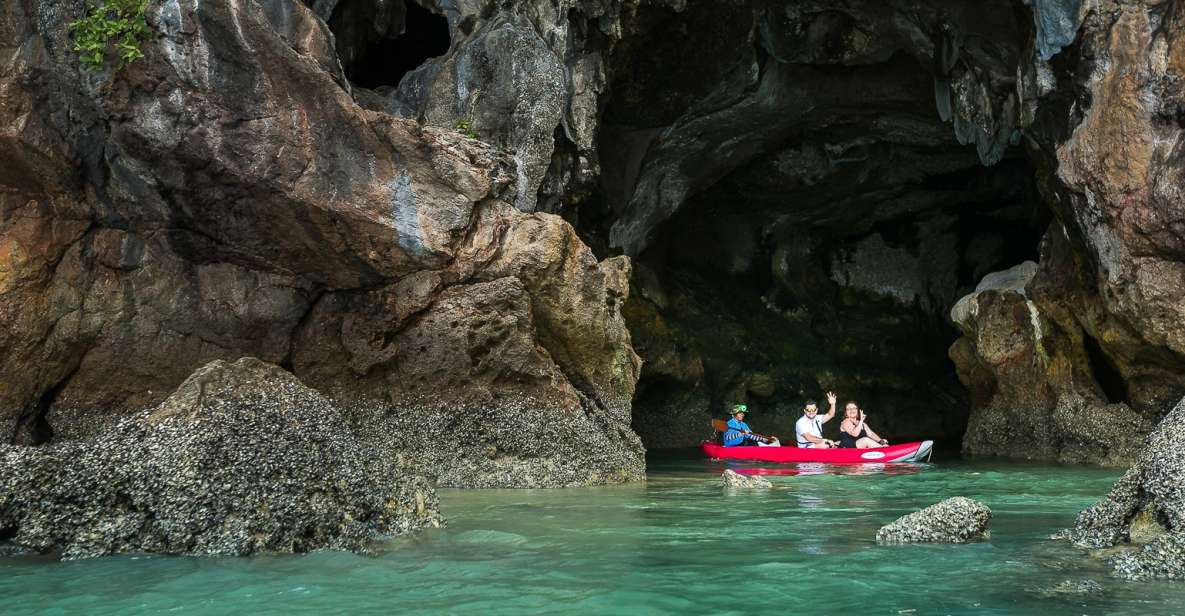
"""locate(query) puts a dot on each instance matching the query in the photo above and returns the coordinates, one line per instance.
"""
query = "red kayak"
(905, 452)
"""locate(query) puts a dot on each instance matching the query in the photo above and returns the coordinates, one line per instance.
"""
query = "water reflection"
(818, 468)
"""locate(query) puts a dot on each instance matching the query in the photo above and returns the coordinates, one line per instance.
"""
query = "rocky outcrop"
(1032, 390)
(526, 76)
(241, 459)
(1145, 510)
(954, 520)
(227, 197)
(732, 479)
(1099, 357)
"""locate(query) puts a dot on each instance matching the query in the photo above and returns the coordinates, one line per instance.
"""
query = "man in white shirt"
(809, 427)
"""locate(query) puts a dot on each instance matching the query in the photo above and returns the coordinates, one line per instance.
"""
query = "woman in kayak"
(853, 432)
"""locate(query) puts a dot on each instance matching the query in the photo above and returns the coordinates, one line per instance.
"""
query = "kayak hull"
(905, 452)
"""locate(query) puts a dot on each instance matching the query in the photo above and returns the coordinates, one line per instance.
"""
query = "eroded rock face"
(241, 459)
(526, 76)
(226, 197)
(954, 520)
(1145, 508)
(1097, 357)
(1031, 387)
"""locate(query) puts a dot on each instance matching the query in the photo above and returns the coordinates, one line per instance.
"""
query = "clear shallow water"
(678, 543)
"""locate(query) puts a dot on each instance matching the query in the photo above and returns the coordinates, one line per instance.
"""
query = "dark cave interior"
(379, 44)
(829, 217)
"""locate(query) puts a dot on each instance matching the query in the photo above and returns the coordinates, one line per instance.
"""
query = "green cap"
(739, 408)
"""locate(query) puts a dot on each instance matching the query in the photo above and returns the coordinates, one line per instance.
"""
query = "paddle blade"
(720, 425)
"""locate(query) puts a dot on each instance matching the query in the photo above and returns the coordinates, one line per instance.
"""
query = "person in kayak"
(854, 432)
(809, 427)
(739, 434)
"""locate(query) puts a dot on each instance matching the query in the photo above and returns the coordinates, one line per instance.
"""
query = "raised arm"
(830, 411)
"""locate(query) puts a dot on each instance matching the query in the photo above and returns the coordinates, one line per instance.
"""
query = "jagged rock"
(804, 180)
(1104, 345)
(954, 520)
(1113, 264)
(1145, 506)
(1032, 392)
(733, 479)
(226, 196)
(1162, 558)
(517, 74)
(1011, 280)
(721, 113)
(241, 459)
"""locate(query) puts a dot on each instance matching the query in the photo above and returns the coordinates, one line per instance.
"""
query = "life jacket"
(735, 434)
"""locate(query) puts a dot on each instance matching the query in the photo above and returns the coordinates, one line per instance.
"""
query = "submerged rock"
(1145, 506)
(733, 479)
(954, 520)
(241, 459)
(1073, 587)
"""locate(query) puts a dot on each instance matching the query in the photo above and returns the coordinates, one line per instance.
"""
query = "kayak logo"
(873, 455)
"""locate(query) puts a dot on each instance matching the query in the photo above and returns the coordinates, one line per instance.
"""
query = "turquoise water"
(678, 543)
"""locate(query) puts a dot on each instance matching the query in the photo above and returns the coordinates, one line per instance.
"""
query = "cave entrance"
(380, 43)
(804, 207)
(1104, 371)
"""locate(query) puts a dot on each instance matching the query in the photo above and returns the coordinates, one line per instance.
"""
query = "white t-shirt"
(805, 425)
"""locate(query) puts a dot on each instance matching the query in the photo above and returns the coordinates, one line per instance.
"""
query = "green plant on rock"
(118, 24)
(465, 123)
(466, 128)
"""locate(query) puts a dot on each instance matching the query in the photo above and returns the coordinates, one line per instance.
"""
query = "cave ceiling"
(812, 113)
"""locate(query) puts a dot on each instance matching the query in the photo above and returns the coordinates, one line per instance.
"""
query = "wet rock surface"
(1145, 510)
(732, 479)
(241, 459)
(954, 520)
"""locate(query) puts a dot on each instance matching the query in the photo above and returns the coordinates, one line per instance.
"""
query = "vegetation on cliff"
(110, 25)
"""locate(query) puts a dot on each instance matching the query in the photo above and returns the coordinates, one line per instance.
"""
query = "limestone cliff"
(226, 196)
(1077, 362)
